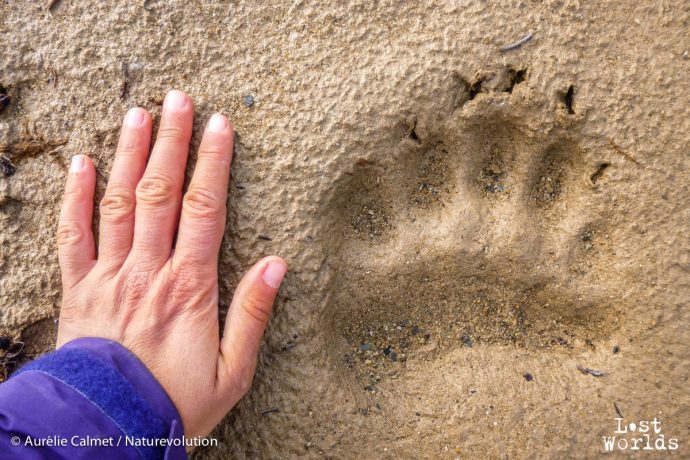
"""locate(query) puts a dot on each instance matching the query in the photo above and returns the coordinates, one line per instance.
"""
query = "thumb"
(247, 317)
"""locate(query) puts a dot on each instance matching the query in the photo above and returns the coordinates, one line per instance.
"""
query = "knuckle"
(203, 202)
(127, 147)
(171, 132)
(215, 152)
(130, 288)
(73, 193)
(192, 288)
(69, 233)
(117, 202)
(257, 308)
(156, 189)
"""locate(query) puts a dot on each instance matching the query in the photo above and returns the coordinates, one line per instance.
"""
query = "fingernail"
(175, 100)
(274, 273)
(76, 164)
(217, 123)
(134, 117)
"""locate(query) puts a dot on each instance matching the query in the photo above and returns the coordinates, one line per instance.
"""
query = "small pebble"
(365, 347)
(6, 166)
(5, 343)
(4, 101)
(616, 349)
(249, 100)
(528, 376)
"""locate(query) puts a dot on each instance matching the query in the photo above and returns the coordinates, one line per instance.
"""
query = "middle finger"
(159, 192)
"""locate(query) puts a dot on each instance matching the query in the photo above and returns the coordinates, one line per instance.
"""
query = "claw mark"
(568, 100)
(516, 77)
(596, 175)
(475, 88)
(412, 133)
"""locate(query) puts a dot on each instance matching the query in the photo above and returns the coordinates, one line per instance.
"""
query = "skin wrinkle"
(203, 203)
(69, 233)
(117, 204)
(156, 190)
(127, 148)
(169, 135)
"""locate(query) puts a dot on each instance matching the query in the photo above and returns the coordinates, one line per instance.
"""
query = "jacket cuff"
(114, 380)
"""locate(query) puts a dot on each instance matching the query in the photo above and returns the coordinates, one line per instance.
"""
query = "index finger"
(202, 221)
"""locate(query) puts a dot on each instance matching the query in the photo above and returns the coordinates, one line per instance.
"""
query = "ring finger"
(117, 206)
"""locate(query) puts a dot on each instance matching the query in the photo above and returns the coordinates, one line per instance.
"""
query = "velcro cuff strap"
(108, 390)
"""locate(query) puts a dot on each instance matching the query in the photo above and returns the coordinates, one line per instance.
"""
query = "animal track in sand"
(463, 239)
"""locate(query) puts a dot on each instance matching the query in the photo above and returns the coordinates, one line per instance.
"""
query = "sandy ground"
(464, 226)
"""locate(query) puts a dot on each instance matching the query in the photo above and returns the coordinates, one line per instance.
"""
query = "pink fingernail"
(274, 273)
(217, 123)
(76, 164)
(175, 100)
(134, 117)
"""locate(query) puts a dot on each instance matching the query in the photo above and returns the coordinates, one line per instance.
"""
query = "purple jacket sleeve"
(92, 398)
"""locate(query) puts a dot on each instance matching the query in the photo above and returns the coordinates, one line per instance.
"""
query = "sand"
(464, 226)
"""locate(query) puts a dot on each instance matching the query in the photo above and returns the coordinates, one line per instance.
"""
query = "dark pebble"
(387, 351)
(5, 343)
(393, 356)
(5, 98)
(559, 341)
(616, 349)
(528, 376)
(365, 347)
(4, 101)
(6, 166)
(249, 100)
(466, 340)
(289, 345)
(416, 330)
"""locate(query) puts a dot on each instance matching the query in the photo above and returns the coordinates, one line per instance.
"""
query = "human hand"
(156, 297)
